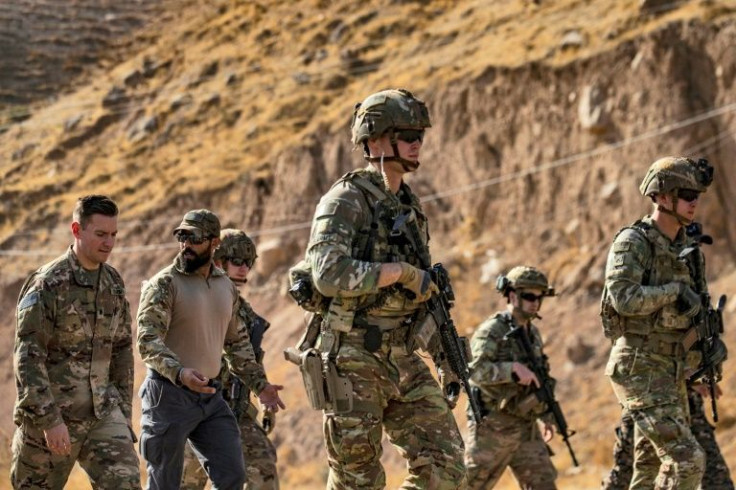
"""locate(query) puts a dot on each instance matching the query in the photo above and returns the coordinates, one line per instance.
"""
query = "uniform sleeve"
(239, 351)
(34, 327)
(154, 318)
(121, 365)
(335, 272)
(625, 268)
(485, 368)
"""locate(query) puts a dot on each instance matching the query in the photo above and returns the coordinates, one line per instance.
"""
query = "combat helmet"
(385, 112)
(669, 174)
(523, 277)
(235, 244)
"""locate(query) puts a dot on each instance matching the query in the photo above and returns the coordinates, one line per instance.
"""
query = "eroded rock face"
(47, 45)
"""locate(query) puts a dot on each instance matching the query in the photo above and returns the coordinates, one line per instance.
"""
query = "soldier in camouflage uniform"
(236, 256)
(647, 307)
(717, 475)
(73, 361)
(187, 315)
(368, 251)
(504, 386)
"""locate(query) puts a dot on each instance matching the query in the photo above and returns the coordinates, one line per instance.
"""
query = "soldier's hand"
(195, 381)
(688, 301)
(548, 431)
(417, 281)
(57, 439)
(269, 421)
(524, 375)
(269, 397)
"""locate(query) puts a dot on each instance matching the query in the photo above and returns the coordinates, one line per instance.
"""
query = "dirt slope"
(545, 115)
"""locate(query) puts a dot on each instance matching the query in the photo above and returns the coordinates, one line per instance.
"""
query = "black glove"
(688, 301)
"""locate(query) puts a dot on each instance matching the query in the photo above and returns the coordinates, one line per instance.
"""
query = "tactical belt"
(658, 345)
(153, 374)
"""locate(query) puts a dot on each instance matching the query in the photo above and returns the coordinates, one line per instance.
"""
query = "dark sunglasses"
(531, 297)
(410, 135)
(238, 262)
(193, 238)
(688, 195)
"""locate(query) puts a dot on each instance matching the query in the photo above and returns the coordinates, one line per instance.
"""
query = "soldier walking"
(236, 255)
(509, 434)
(647, 307)
(73, 359)
(367, 251)
(188, 314)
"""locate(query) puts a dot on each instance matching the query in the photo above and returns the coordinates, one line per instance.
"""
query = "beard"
(191, 261)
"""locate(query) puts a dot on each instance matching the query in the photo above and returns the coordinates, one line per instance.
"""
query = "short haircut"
(93, 204)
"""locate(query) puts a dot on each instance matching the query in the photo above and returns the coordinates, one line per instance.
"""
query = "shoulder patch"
(29, 300)
(621, 246)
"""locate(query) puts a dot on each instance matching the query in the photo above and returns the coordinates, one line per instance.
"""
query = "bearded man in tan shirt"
(187, 315)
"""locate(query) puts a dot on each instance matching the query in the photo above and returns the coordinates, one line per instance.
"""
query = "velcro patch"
(29, 300)
(621, 246)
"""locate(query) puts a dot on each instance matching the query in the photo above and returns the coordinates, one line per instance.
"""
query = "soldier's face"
(528, 301)
(94, 243)
(407, 150)
(237, 273)
(195, 256)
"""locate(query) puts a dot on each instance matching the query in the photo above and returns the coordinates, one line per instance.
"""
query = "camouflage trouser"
(397, 392)
(258, 453)
(504, 440)
(104, 449)
(717, 475)
(652, 388)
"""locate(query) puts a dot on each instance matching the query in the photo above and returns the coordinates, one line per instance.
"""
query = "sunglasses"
(193, 238)
(410, 135)
(688, 195)
(531, 297)
(238, 262)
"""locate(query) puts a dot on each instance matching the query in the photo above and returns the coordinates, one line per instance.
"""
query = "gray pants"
(171, 415)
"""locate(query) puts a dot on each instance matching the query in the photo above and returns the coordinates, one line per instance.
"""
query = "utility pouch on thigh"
(339, 391)
(310, 365)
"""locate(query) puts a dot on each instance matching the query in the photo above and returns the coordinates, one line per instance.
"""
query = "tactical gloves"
(688, 301)
(417, 281)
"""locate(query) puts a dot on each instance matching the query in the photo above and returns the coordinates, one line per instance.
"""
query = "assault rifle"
(545, 393)
(453, 346)
(708, 323)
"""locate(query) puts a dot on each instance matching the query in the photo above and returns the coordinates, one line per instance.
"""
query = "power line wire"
(471, 187)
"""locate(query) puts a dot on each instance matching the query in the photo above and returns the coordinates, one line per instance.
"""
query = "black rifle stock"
(453, 345)
(708, 323)
(545, 393)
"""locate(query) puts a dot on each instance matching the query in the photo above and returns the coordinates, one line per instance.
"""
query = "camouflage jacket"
(73, 353)
(493, 357)
(349, 241)
(642, 279)
(155, 312)
(236, 391)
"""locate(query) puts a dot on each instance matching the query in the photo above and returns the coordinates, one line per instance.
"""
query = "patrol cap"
(203, 220)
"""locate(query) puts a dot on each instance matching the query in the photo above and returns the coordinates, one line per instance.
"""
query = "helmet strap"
(680, 219)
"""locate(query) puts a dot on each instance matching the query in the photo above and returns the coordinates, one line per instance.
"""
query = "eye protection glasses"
(410, 135)
(688, 195)
(191, 237)
(531, 297)
(238, 262)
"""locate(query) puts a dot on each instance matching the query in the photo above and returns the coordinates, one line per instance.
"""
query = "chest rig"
(662, 267)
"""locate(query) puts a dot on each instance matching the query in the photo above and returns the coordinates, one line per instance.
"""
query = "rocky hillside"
(545, 116)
